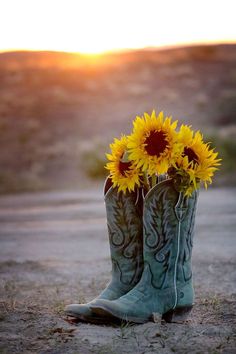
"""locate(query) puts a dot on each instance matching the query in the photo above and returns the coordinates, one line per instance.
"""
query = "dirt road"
(54, 251)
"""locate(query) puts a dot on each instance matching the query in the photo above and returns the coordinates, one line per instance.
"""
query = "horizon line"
(123, 50)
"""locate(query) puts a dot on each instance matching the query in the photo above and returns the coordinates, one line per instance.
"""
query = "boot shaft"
(168, 231)
(185, 211)
(125, 229)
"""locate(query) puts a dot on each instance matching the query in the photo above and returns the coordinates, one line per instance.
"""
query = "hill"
(58, 111)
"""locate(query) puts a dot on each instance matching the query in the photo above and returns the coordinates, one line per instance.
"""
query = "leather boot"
(166, 286)
(124, 221)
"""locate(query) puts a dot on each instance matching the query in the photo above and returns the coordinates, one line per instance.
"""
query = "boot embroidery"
(125, 229)
(159, 235)
(187, 241)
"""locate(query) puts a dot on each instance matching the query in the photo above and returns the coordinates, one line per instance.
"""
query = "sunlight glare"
(96, 26)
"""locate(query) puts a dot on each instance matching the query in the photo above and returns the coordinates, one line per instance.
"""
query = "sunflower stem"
(154, 180)
(145, 181)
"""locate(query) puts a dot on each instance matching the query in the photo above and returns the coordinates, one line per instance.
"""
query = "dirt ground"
(54, 251)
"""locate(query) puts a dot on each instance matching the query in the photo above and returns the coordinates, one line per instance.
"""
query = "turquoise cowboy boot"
(124, 221)
(165, 287)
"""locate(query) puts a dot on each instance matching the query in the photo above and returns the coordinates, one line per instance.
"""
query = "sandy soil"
(54, 251)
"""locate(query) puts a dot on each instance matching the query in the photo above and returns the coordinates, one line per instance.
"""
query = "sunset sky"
(94, 26)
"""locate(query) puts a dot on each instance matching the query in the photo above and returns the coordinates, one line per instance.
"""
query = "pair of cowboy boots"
(151, 246)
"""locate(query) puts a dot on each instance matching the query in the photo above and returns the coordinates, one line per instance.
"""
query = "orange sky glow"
(92, 26)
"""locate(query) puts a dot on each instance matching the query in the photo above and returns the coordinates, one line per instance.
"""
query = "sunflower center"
(191, 155)
(124, 166)
(155, 143)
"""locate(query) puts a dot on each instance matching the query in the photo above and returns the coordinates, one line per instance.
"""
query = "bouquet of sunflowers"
(151, 235)
(155, 148)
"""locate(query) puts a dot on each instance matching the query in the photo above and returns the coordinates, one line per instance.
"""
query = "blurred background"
(74, 74)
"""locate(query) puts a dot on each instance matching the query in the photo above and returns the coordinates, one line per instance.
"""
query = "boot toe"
(77, 310)
(124, 311)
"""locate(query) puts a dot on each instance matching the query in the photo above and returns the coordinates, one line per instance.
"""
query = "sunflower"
(152, 145)
(123, 172)
(196, 164)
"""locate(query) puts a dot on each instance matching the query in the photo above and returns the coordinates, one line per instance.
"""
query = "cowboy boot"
(165, 287)
(124, 221)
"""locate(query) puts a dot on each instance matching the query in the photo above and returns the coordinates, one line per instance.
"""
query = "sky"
(95, 26)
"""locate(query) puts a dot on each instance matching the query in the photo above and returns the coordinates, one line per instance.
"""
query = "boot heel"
(179, 314)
